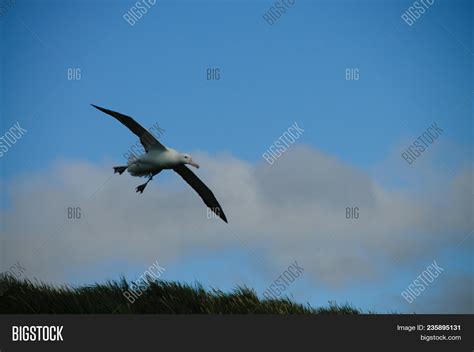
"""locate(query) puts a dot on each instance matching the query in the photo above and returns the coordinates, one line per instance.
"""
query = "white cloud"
(294, 210)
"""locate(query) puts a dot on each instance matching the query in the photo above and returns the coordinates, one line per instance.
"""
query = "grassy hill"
(24, 296)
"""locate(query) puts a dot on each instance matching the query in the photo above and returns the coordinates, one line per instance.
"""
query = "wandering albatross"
(157, 158)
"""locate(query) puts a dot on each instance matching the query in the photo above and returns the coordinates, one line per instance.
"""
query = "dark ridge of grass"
(160, 297)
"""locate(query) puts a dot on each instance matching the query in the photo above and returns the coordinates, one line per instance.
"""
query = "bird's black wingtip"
(102, 109)
(223, 217)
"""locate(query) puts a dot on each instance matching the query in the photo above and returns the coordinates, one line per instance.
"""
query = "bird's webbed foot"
(141, 188)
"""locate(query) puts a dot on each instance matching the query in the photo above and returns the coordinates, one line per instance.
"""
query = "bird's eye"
(185, 156)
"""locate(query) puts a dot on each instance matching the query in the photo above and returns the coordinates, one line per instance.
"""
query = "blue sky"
(271, 76)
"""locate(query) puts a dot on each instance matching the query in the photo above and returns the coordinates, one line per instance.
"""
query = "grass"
(160, 297)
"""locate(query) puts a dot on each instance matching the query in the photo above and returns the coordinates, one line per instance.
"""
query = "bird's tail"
(119, 169)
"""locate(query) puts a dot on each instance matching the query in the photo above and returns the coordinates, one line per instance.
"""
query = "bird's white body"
(153, 162)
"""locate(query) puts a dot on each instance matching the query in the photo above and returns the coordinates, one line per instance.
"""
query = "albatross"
(157, 157)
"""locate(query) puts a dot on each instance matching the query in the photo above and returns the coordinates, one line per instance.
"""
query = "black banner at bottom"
(236, 332)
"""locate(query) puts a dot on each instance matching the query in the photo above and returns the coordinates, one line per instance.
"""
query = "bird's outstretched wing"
(204, 192)
(146, 138)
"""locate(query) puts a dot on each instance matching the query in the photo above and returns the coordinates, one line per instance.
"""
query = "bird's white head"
(187, 159)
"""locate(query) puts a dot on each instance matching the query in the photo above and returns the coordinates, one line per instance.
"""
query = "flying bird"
(158, 158)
